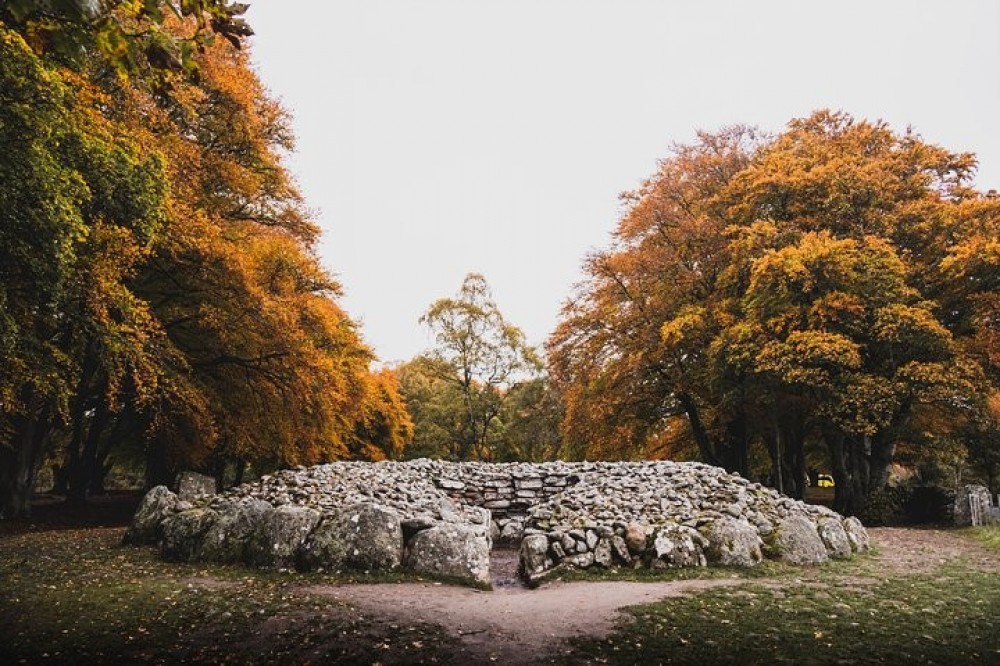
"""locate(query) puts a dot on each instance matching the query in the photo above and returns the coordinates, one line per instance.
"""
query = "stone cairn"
(442, 519)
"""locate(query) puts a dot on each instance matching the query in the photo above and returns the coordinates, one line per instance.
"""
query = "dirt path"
(516, 625)
(914, 551)
(511, 625)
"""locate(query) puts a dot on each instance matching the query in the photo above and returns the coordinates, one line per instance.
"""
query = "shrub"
(887, 506)
(930, 504)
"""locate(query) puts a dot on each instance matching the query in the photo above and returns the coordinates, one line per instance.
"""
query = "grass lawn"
(77, 597)
(74, 596)
(946, 618)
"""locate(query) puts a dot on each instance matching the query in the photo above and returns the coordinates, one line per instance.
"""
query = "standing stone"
(450, 550)
(602, 553)
(279, 535)
(363, 536)
(147, 524)
(973, 506)
(620, 550)
(796, 541)
(533, 556)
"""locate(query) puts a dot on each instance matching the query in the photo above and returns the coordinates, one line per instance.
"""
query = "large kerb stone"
(450, 550)
(147, 523)
(733, 543)
(279, 536)
(226, 540)
(796, 541)
(363, 536)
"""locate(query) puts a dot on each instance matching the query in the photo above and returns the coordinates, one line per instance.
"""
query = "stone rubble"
(442, 518)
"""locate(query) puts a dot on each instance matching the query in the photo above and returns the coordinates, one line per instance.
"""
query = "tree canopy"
(769, 291)
(160, 293)
(459, 390)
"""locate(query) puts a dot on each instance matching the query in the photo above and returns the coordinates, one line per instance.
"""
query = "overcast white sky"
(439, 137)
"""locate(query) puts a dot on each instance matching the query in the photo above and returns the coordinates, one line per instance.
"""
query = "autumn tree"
(482, 357)
(780, 292)
(132, 37)
(531, 421)
(160, 288)
(630, 352)
(435, 404)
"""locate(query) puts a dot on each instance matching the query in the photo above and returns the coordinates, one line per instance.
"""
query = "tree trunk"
(705, 445)
(883, 452)
(158, 471)
(849, 461)
(77, 471)
(88, 464)
(794, 461)
(19, 463)
(241, 466)
(774, 448)
(737, 450)
(102, 467)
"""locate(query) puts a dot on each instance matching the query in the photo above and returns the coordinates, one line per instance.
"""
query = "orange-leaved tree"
(775, 291)
(161, 294)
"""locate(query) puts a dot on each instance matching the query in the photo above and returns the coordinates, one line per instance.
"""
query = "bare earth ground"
(516, 625)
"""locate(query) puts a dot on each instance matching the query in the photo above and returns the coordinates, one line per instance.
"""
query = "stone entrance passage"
(503, 568)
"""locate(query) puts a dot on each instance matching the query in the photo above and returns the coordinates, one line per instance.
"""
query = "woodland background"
(823, 299)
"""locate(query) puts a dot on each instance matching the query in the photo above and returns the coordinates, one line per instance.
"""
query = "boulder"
(603, 553)
(534, 559)
(279, 535)
(512, 531)
(733, 543)
(147, 523)
(192, 486)
(857, 535)
(831, 532)
(450, 550)
(620, 550)
(635, 538)
(364, 536)
(797, 541)
(676, 546)
(183, 534)
(226, 539)
(579, 560)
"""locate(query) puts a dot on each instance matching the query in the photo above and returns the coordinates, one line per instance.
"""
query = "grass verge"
(949, 617)
(987, 534)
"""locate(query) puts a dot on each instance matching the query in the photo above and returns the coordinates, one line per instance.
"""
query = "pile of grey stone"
(358, 516)
(669, 515)
(442, 518)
